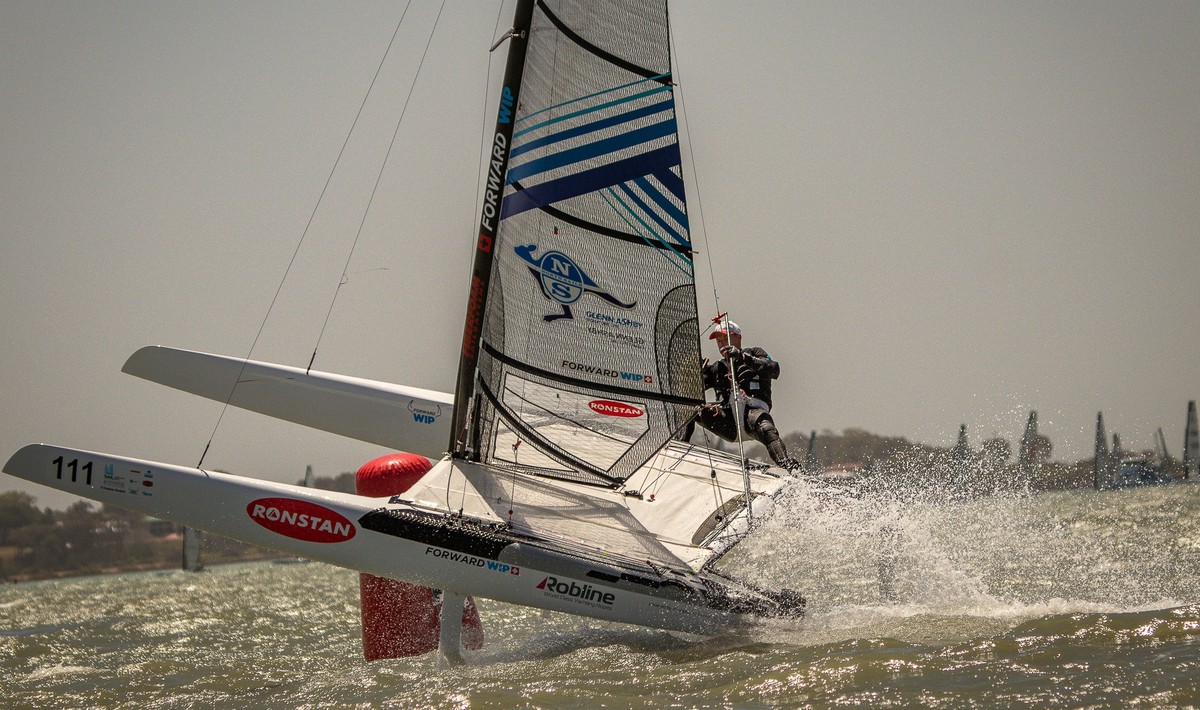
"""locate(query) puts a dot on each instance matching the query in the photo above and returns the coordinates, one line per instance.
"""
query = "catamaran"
(562, 486)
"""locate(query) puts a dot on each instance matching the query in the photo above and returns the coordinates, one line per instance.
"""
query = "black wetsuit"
(754, 370)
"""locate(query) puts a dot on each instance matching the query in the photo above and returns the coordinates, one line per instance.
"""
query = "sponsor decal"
(584, 594)
(474, 322)
(609, 319)
(605, 372)
(495, 188)
(562, 281)
(473, 561)
(112, 481)
(632, 341)
(614, 409)
(616, 329)
(300, 520)
(424, 415)
(506, 106)
(134, 481)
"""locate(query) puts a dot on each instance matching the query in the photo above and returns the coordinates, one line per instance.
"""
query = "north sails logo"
(585, 594)
(614, 409)
(300, 520)
(562, 280)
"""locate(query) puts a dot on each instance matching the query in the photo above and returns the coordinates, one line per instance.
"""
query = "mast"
(489, 223)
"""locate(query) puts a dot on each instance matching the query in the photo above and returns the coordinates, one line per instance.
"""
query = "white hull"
(375, 536)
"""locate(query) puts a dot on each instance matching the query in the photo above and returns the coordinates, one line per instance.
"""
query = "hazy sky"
(930, 213)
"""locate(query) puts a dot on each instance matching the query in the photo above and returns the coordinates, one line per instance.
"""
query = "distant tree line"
(896, 464)
(40, 543)
(83, 539)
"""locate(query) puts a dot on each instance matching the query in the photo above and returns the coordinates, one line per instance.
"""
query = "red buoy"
(401, 619)
(390, 475)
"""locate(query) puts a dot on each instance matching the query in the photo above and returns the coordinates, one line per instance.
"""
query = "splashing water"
(872, 564)
(1071, 599)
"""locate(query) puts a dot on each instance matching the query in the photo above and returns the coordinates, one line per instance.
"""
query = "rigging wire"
(303, 235)
(682, 115)
(378, 180)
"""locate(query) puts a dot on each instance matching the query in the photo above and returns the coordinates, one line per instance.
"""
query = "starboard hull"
(385, 539)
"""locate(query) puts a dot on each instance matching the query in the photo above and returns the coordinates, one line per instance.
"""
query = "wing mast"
(489, 222)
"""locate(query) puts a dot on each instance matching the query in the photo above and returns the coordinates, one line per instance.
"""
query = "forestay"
(589, 359)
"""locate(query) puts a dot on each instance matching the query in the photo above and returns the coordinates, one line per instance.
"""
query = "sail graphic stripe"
(586, 111)
(593, 227)
(667, 206)
(593, 127)
(607, 56)
(592, 150)
(628, 211)
(588, 181)
(672, 182)
(637, 200)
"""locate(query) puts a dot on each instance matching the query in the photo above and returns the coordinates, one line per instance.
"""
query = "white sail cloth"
(679, 510)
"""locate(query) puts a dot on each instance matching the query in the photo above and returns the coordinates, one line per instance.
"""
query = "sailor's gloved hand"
(734, 354)
(745, 370)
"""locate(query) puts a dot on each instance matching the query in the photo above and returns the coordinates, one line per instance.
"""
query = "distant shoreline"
(53, 575)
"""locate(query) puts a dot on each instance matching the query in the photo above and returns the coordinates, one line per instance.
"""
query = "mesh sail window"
(590, 359)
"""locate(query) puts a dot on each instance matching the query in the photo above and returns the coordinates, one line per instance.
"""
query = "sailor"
(753, 370)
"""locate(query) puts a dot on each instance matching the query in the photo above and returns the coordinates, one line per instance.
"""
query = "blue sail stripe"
(666, 255)
(598, 178)
(584, 112)
(593, 95)
(672, 182)
(633, 213)
(629, 224)
(639, 202)
(667, 205)
(595, 149)
(593, 127)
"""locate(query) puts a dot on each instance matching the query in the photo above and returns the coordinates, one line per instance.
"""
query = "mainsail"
(589, 358)
(581, 352)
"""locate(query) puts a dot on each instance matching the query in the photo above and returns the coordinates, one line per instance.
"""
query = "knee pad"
(761, 423)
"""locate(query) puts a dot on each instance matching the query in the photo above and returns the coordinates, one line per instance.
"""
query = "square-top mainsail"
(589, 359)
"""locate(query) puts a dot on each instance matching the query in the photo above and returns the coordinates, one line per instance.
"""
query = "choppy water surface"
(1073, 599)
